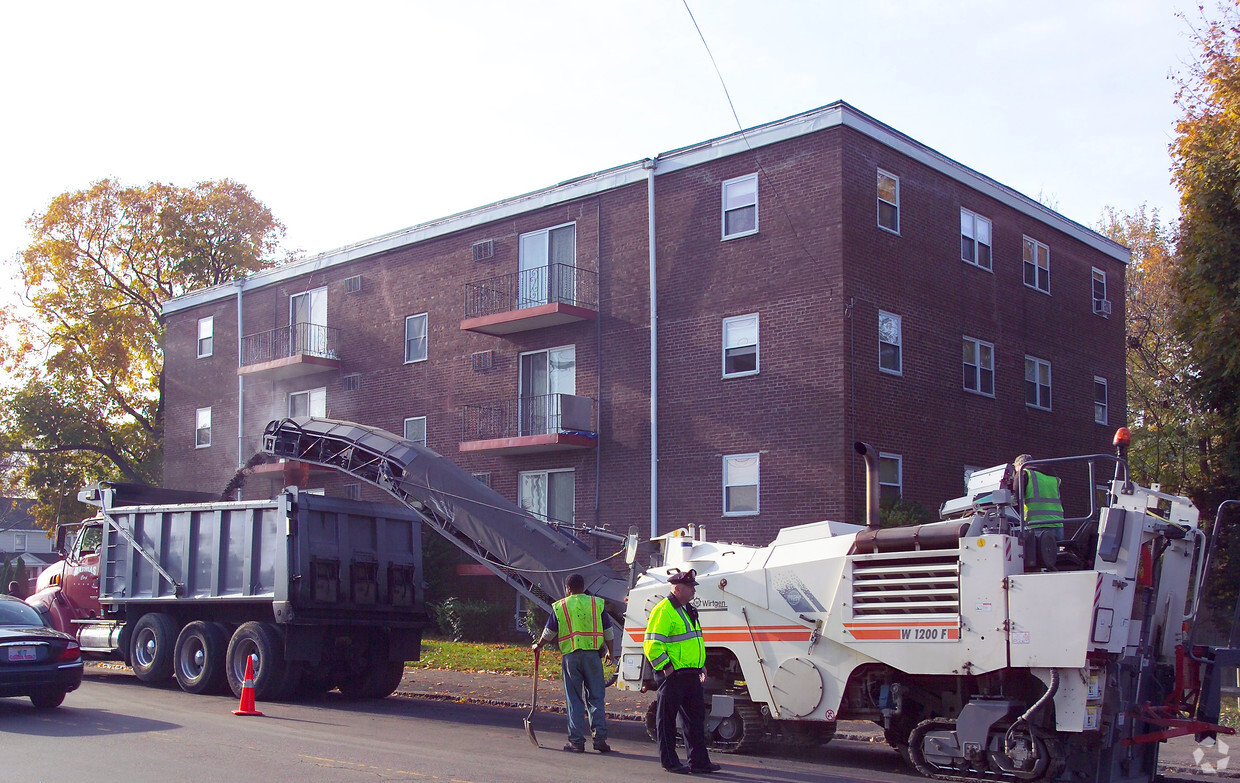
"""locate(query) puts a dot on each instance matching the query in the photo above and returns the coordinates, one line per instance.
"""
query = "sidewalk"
(1176, 757)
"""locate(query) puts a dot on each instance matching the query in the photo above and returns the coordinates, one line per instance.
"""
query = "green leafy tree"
(86, 348)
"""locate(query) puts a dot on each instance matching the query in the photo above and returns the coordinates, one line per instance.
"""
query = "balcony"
(531, 425)
(531, 299)
(290, 352)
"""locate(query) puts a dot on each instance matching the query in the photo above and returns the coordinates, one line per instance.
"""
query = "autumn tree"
(1206, 169)
(1170, 427)
(86, 348)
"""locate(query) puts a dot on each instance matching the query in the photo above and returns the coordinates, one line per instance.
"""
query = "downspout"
(241, 458)
(654, 355)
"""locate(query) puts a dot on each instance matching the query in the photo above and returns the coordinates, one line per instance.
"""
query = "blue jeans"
(583, 677)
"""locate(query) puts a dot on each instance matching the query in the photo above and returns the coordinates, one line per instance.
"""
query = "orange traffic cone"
(247, 690)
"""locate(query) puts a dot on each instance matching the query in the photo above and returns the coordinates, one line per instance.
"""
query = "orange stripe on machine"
(908, 631)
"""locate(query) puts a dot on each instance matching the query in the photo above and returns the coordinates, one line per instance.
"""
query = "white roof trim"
(830, 116)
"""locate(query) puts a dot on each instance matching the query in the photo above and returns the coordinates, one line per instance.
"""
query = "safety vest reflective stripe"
(672, 637)
(1042, 505)
(580, 618)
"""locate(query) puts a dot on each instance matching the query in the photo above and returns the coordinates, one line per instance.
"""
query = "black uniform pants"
(681, 694)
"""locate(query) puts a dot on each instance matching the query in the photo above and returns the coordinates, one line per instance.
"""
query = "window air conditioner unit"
(1102, 306)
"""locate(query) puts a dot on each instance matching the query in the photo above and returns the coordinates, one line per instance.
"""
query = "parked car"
(35, 660)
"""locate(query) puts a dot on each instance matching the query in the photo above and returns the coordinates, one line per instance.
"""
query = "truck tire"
(150, 647)
(200, 659)
(384, 679)
(263, 640)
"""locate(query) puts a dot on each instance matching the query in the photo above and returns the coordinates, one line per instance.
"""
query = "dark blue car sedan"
(35, 661)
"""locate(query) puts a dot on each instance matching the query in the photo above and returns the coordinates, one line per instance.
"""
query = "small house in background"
(21, 538)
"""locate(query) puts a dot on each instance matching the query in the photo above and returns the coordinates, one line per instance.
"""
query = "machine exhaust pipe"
(871, 484)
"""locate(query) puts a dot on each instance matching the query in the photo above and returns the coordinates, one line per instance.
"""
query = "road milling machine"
(985, 650)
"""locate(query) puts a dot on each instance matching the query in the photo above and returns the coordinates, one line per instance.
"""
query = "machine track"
(995, 766)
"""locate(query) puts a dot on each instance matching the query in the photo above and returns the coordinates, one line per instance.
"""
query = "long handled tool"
(529, 727)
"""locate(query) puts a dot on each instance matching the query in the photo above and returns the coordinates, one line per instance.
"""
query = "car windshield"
(18, 613)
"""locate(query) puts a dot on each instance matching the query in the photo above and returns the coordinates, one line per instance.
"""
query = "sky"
(352, 120)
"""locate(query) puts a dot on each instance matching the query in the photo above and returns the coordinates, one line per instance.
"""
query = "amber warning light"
(1122, 437)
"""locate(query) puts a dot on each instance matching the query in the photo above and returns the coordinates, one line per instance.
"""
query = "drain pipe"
(240, 388)
(649, 165)
(871, 484)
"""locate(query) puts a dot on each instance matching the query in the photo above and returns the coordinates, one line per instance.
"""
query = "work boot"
(602, 747)
(571, 748)
(706, 769)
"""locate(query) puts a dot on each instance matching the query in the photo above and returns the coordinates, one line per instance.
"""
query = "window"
(890, 479)
(1037, 383)
(19, 542)
(1037, 265)
(888, 201)
(740, 485)
(353, 491)
(740, 345)
(307, 319)
(1102, 307)
(549, 494)
(740, 207)
(202, 428)
(889, 359)
(415, 338)
(544, 377)
(979, 367)
(206, 336)
(1100, 400)
(974, 239)
(311, 402)
(415, 429)
(547, 266)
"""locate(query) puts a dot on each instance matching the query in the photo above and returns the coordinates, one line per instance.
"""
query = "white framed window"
(975, 239)
(415, 338)
(206, 336)
(19, 542)
(544, 377)
(890, 478)
(741, 474)
(740, 206)
(1037, 383)
(202, 428)
(740, 345)
(548, 494)
(890, 353)
(415, 429)
(1102, 307)
(1037, 265)
(888, 201)
(311, 402)
(1100, 400)
(979, 367)
(547, 266)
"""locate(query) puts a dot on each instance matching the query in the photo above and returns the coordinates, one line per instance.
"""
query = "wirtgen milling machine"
(987, 651)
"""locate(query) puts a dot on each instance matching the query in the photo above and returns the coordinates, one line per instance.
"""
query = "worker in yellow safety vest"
(677, 653)
(585, 633)
(1043, 507)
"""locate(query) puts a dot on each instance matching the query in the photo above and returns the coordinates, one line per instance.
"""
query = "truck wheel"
(384, 679)
(48, 700)
(263, 640)
(200, 658)
(151, 644)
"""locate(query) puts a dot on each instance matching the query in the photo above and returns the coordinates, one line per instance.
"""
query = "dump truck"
(325, 592)
(985, 649)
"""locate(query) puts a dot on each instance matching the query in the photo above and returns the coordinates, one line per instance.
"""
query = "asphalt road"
(115, 728)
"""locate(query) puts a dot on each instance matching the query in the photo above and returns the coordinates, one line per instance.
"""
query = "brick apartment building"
(818, 280)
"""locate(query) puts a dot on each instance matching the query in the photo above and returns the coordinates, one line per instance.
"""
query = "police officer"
(1043, 507)
(585, 632)
(677, 653)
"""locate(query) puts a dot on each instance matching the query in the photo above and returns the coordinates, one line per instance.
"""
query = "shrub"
(902, 513)
(472, 621)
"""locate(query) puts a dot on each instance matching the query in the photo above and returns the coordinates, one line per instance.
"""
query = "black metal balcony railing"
(544, 414)
(294, 340)
(552, 284)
